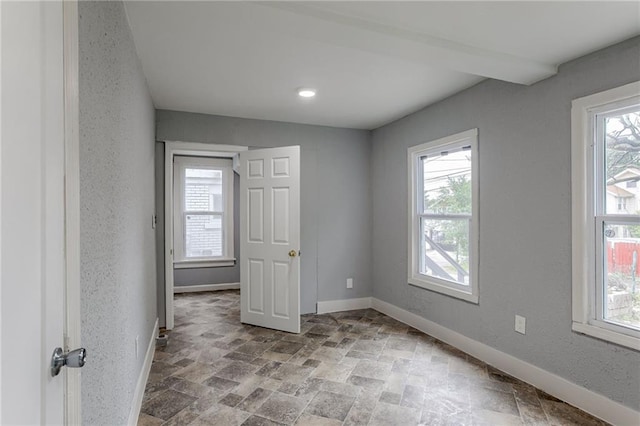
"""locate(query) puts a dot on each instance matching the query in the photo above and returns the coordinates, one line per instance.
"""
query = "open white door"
(32, 222)
(270, 238)
(32, 219)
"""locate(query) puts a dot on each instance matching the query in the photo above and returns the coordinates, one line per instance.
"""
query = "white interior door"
(270, 238)
(32, 218)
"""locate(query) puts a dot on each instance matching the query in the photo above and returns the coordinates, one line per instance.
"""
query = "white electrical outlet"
(137, 346)
(521, 323)
(349, 282)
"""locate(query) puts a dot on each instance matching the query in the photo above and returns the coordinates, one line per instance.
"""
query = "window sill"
(445, 289)
(204, 263)
(608, 335)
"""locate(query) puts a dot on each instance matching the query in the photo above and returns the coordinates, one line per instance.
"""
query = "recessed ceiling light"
(305, 92)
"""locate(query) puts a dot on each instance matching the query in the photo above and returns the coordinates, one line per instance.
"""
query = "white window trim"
(209, 263)
(227, 259)
(467, 293)
(583, 219)
(171, 149)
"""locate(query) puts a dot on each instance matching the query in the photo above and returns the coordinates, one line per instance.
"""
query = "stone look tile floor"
(347, 368)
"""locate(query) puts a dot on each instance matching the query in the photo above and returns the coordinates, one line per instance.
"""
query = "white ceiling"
(371, 62)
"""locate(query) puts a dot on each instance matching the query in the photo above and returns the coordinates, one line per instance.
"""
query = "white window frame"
(181, 163)
(586, 249)
(468, 293)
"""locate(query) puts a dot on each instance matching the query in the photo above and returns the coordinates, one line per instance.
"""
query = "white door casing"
(72, 396)
(270, 238)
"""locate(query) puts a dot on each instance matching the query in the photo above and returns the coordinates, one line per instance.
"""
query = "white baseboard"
(205, 287)
(589, 401)
(142, 378)
(343, 305)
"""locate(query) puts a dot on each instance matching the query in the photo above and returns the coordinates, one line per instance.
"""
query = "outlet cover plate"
(521, 324)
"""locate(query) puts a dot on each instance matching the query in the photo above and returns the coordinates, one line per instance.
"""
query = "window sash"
(597, 117)
(599, 291)
(599, 213)
(442, 151)
(465, 141)
(445, 216)
(181, 164)
(184, 236)
(589, 212)
(183, 174)
(203, 212)
(460, 271)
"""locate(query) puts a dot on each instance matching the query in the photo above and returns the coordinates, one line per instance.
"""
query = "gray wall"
(335, 194)
(117, 242)
(525, 220)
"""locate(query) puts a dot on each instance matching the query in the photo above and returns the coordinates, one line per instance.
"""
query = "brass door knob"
(292, 253)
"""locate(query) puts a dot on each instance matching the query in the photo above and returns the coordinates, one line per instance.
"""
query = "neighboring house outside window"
(606, 215)
(203, 216)
(443, 216)
(623, 187)
(618, 199)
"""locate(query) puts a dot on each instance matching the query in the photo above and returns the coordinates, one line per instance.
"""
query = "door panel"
(32, 218)
(280, 167)
(255, 169)
(256, 215)
(255, 286)
(280, 289)
(280, 216)
(270, 238)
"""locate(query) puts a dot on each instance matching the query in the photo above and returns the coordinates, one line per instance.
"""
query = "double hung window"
(606, 215)
(203, 212)
(443, 226)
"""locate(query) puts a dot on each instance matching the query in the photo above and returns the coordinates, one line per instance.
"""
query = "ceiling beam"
(320, 24)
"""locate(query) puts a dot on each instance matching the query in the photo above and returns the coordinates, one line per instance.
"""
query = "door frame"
(171, 149)
(72, 338)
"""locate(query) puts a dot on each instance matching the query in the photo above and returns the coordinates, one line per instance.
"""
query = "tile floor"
(348, 368)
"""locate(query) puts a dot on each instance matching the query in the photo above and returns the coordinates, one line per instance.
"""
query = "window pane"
(622, 162)
(447, 182)
(445, 249)
(203, 235)
(622, 274)
(203, 190)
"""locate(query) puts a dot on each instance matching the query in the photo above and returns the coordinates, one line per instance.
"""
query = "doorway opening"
(206, 224)
(202, 210)
(201, 222)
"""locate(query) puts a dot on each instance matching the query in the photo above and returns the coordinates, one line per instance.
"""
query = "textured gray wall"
(525, 220)
(335, 194)
(117, 243)
(219, 275)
